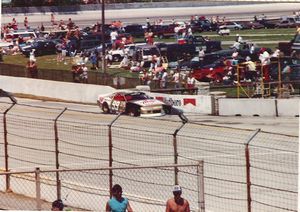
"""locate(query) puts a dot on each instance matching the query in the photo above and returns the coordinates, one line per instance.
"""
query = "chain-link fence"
(147, 188)
(242, 168)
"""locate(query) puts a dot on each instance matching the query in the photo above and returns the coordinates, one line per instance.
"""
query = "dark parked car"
(201, 25)
(40, 47)
(175, 51)
(135, 30)
(163, 31)
(200, 42)
(252, 25)
(270, 24)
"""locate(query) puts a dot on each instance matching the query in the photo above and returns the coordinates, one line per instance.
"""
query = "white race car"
(133, 104)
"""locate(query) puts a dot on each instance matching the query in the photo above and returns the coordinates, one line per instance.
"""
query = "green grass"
(49, 62)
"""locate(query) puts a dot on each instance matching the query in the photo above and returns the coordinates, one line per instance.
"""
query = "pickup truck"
(291, 47)
(200, 42)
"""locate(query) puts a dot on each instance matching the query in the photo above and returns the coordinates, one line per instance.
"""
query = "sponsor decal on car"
(147, 102)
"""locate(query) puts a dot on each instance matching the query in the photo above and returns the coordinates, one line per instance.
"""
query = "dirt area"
(12, 201)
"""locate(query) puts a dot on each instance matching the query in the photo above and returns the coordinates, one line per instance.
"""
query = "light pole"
(103, 37)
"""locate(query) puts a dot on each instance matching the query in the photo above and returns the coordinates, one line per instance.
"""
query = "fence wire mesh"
(65, 138)
(147, 188)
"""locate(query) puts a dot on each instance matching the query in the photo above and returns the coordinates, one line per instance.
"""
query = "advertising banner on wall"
(188, 103)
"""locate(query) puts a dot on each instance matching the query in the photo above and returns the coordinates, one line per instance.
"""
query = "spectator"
(113, 36)
(70, 24)
(191, 81)
(57, 205)
(52, 19)
(286, 72)
(239, 39)
(149, 37)
(164, 79)
(26, 23)
(201, 56)
(177, 203)
(108, 58)
(176, 79)
(84, 74)
(250, 72)
(117, 203)
(59, 47)
(264, 58)
(32, 70)
(276, 53)
(125, 62)
(93, 59)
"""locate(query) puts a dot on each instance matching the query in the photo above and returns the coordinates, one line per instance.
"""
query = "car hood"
(147, 102)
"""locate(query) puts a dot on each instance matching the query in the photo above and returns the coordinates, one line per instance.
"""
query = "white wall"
(247, 107)
(288, 107)
(61, 90)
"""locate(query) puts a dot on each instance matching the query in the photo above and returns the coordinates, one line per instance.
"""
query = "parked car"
(252, 25)
(223, 30)
(270, 24)
(232, 25)
(136, 30)
(133, 104)
(25, 34)
(200, 42)
(211, 72)
(175, 51)
(164, 31)
(201, 25)
(40, 47)
(286, 24)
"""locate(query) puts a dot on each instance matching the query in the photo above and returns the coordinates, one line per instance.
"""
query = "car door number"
(115, 105)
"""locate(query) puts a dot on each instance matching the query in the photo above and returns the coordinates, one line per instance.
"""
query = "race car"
(133, 104)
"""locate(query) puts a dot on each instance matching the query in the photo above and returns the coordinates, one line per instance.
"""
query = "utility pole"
(103, 37)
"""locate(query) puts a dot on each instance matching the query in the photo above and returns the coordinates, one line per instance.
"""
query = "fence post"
(58, 184)
(184, 121)
(200, 174)
(110, 146)
(38, 189)
(248, 176)
(7, 177)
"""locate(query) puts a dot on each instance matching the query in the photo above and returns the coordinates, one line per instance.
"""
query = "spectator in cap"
(177, 203)
(57, 205)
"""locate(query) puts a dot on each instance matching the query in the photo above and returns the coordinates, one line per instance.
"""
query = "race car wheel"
(116, 58)
(167, 110)
(132, 112)
(105, 108)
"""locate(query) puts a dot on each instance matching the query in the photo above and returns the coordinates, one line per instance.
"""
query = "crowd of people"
(158, 75)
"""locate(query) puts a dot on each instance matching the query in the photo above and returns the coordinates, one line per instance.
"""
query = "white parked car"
(232, 25)
(223, 30)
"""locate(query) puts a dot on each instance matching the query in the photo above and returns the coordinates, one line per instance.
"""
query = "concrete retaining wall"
(247, 107)
(288, 107)
(60, 90)
(260, 107)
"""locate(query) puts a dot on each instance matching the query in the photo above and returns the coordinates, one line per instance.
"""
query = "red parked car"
(213, 72)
